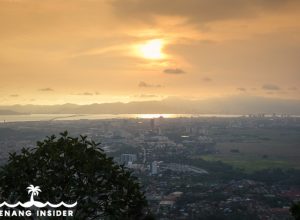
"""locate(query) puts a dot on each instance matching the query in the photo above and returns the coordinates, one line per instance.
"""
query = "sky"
(97, 51)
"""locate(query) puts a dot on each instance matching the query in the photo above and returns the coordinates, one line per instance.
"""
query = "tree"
(295, 210)
(73, 169)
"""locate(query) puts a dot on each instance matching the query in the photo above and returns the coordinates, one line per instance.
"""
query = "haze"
(88, 51)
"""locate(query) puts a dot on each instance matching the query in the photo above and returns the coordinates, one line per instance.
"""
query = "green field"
(257, 149)
(250, 164)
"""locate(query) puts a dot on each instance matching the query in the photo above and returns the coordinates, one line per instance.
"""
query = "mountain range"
(172, 105)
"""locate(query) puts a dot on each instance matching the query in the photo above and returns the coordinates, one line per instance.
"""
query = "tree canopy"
(73, 169)
(295, 210)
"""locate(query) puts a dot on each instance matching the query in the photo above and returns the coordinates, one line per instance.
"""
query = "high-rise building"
(154, 168)
(126, 158)
(145, 156)
(152, 124)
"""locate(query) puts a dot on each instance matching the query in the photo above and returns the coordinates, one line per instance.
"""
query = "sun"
(152, 49)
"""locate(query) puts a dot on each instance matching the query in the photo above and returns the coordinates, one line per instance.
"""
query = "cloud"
(46, 90)
(207, 79)
(242, 89)
(14, 95)
(197, 11)
(147, 85)
(270, 87)
(88, 93)
(146, 96)
(174, 71)
(292, 88)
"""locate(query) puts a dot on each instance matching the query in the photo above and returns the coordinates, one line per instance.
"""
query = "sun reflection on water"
(149, 116)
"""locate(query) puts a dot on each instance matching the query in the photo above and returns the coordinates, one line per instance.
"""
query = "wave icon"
(34, 191)
(38, 205)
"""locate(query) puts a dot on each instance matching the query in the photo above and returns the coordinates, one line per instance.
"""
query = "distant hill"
(9, 112)
(229, 105)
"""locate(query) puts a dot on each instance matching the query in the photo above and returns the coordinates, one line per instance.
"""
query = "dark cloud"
(174, 71)
(46, 90)
(14, 95)
(270, 87)
(147, 85)
(196, 11)
(207, 79)
(242, 89)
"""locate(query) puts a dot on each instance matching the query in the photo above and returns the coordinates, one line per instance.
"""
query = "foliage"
(73, 169)
(295, 210)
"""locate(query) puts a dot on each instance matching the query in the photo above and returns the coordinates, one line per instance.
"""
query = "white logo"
(34, 191)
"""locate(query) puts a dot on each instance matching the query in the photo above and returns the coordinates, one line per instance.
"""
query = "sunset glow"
(107, 51)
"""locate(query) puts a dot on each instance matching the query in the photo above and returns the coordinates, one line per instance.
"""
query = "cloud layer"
(271, 87)
(174, 71)
(143, 84)
(46, 89)
(198, 11)
(55, 51)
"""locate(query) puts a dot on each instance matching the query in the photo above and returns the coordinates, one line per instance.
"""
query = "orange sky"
(86, 51)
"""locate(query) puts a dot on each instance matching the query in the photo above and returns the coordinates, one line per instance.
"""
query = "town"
(193, 167)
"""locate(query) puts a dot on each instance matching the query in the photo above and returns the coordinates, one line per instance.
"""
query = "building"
(152, 124)
(126, 158)
(154, 169)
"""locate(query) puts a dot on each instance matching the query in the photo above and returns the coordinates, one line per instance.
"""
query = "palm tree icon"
(34, 190)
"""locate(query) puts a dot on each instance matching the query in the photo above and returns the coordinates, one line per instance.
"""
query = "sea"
(62, 117)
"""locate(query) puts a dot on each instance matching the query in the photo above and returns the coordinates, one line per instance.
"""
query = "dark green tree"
(73, 169)
(295, 210)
